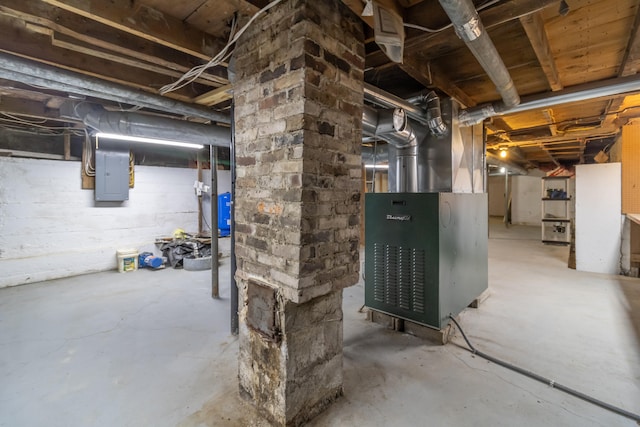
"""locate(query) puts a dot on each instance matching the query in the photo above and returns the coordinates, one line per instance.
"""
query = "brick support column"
(298, 96)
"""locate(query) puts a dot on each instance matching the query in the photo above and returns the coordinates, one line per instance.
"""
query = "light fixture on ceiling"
(118, 137)
(502, 170)
(503, 153)
(564, 9)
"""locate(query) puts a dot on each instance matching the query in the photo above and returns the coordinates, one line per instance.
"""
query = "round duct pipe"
(141, 125)
(584, 92)
(35, 73)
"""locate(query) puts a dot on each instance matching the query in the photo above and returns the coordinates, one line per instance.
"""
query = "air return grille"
(399, 277)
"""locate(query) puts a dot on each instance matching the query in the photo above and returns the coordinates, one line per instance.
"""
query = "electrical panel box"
(426, 254)
(112, 174)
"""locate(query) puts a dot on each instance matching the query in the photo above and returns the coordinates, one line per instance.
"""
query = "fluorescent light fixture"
(376, 166)
(147, 140)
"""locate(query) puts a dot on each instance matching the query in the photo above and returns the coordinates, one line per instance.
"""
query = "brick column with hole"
(298, 93)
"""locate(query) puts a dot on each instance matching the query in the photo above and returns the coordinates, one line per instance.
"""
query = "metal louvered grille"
(399, 277)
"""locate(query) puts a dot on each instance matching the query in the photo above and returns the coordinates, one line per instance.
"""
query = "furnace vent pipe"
(469, 28)
(394, 127)
(610, 87)
(35, 73)
(434, 114)
(391, 125)
(141, 125)
(385, 99)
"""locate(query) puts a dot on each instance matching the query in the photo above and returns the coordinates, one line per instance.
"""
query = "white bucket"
(127, 260)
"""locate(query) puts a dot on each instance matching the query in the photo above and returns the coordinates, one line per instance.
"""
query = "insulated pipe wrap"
(136, 124)
(31, 72)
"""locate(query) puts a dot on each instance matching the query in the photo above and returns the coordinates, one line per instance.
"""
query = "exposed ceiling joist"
(628, 66)
(429, 75)
(443, 41)
(534, 27)
(101, 36)
(28, 108)
(216, 96)
(22, 40)
(144, 21)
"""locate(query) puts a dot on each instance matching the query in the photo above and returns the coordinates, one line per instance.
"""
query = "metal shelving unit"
(557, 210)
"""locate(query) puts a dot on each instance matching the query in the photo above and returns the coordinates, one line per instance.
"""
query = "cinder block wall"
(51, 228)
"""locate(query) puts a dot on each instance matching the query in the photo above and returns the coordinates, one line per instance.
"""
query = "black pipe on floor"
(547, 381)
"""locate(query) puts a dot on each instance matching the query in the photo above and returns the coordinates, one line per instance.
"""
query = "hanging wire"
(437, 30)
(193, 74)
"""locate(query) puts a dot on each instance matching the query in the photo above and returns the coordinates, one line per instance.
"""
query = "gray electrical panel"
(112, 174)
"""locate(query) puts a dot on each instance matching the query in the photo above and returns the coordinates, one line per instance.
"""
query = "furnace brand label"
(398, 217)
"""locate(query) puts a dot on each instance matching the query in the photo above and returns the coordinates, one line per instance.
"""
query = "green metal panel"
(401, 255)
(425, 254)
(463, 259)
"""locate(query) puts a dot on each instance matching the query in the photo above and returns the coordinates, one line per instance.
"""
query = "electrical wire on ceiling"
(226, 52)
(572, 123)
(13, 122)
(437, 30)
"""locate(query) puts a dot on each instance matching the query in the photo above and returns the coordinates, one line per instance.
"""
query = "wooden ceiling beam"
(29, 108)
(215, 96)
(629, 66)
(62, 41)
(429, 75)
(104, 37)
(631, 60)
(441, 42)
(17, 40)
(534, 27)
(143, 21)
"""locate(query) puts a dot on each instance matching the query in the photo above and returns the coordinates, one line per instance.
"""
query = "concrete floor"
(151, 348)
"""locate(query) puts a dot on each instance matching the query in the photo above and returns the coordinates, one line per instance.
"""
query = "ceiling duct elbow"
(469, 28)
(394, 127)
(434, 114)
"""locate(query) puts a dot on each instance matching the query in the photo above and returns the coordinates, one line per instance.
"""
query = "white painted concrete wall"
(51, 228)
(495, 188)
(598, 217)
(526, 204)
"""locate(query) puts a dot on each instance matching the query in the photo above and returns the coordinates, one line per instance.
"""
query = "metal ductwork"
(434, 114)
(141, 125)
(388, 100)
(35, 73)
(394, 127)
(610, 87)
(379, 154)
(469, 28)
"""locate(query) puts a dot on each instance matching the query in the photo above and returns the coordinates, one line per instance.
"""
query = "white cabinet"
(557, 209)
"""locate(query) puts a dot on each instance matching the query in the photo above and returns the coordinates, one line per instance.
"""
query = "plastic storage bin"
(127, 260)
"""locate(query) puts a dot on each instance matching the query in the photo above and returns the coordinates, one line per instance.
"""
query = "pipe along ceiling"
(146, 126)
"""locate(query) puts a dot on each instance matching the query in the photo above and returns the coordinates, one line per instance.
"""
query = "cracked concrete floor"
(151, 348)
